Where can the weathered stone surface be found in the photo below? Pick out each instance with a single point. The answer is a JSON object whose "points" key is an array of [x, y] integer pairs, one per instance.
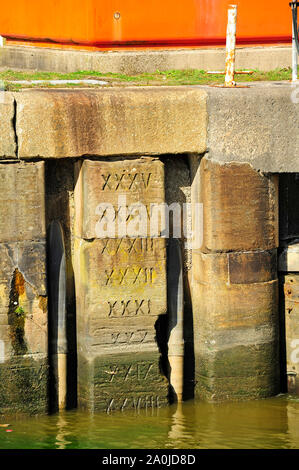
{"points": [[115, 121], [240, 209], [23, 319], [257, 125], [235, 268], [136, 61], [236, 337], [8, 144], [124, 284], [222, 301], [22, 208], [23, 358], [120, 289], [122, 381], [24, 386], [23, 294], [128, 180], [30, 259], [234, 282], [235, 306], [238, 388], [23, 286]]}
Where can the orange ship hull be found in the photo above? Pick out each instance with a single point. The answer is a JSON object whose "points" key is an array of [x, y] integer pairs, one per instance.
{"points": [[108, 23]]}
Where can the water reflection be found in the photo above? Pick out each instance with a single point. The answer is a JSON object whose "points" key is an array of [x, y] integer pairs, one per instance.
{"points": [[271, 423], [257, 424], [179, 434], [62, 432], [293, 420]]}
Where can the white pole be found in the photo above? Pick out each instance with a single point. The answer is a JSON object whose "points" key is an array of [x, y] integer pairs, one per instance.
{"points": [[294, 58], [2, 41], [231, 46]]}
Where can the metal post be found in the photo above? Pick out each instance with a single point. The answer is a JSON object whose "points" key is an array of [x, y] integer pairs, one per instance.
{"points": [[231, 46]]}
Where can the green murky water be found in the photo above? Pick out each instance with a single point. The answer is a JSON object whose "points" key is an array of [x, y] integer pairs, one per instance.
{"points": [[263, 424]]}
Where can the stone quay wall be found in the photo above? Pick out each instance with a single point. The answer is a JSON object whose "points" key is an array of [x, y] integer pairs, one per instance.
{"points": [[64, 152]]}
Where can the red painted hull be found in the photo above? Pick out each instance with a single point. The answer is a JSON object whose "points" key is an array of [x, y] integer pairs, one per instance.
{"points": [[117, 23]]}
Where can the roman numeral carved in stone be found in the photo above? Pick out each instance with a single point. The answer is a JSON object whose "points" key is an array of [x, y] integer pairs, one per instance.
{"points": [[122, 308], [119, 404], [118, 213], [134, 372], [129, 276], [112, 246]]}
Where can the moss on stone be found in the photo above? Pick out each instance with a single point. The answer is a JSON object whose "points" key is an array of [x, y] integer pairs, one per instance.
{"points": [[23, 386], [117, 382]]}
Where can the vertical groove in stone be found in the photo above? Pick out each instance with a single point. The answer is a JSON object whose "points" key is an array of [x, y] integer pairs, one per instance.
{"points": [[289, 281], [59, 209]]}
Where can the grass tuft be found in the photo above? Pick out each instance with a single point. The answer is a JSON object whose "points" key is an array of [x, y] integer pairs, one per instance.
{"points": [[158, 78]]}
